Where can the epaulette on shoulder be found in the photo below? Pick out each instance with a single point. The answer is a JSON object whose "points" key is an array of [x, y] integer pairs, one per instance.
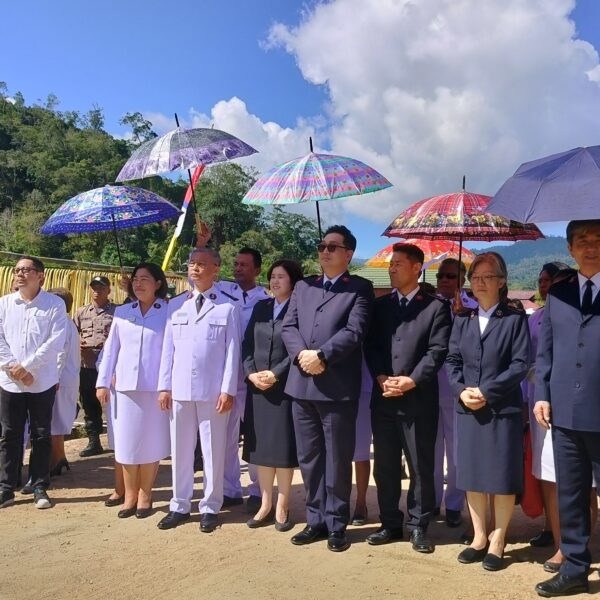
{"points": [[229, 296]]}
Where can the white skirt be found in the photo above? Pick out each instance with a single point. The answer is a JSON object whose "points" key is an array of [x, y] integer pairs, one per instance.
{"points": [[64, 410], [141, 428]]}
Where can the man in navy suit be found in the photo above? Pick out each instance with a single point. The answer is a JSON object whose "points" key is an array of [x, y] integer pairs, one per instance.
{"points": [[405, 348], [323, 331], [568, 391]]}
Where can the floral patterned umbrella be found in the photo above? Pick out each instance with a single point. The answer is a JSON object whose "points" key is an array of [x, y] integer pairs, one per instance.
{"points": [[109, 207], [182, 149], [434, 250]]}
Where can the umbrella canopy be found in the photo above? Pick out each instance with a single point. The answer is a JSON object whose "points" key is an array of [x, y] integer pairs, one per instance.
{"points": [[458, 216], [109, 207], [183, 149], [434, 250], [313, 178], [559, 187]]}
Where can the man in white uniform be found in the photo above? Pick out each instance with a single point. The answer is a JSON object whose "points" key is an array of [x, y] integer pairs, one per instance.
{"points": [[32, 334], [243, 293], [197, 382]]}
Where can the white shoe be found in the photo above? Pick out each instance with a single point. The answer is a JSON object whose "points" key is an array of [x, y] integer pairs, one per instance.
{"points": [[40, 498]]}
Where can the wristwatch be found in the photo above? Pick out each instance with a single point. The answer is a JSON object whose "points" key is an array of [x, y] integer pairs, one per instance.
{"points": [[321, 356]]}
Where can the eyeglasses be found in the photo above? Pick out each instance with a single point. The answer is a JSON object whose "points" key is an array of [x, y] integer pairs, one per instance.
{"points": [[329, 247], [446, 275], [24, 270], [483, 278]]}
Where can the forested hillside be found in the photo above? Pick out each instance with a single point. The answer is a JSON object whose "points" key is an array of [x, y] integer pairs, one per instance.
{"points": [[48, 156]]}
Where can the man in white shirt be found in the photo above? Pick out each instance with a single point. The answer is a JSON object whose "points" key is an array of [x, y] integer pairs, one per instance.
{"points": [[32, 334]]}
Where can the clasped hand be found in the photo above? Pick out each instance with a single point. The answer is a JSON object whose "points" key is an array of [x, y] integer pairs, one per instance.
{"points": [[473, 398], [310, 363], [263, 380], [20, 373], [394, 386]]}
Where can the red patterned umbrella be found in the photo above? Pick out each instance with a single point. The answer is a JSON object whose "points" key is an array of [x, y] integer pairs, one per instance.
{"points": [[434, 250], [458, 216]]}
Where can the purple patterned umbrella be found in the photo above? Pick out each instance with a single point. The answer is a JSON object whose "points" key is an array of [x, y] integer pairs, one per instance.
{"points": [[182, 149], [313, 178], [109, 207]]}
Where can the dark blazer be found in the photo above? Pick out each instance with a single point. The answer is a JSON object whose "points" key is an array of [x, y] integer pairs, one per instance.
{"points": [[334, 322], [414, 344], [568, 359], [263, 348], [495, 362]]}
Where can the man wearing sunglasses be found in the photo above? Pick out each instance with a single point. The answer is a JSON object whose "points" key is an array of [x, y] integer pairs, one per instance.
{"points": [[32, 334], [323, 331], [454, 499]]}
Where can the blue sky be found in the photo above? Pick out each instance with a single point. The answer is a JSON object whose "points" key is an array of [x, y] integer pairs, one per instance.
{"points": [[161, 58]]}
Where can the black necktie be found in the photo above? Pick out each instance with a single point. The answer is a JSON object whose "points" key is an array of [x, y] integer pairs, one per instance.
{"points": [[327, 285], [403, 303], [586, 303], [245, 296], [199, 302]]}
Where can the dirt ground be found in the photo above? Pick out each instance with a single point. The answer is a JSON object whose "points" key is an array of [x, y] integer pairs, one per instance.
{"points": [[81, 549]]}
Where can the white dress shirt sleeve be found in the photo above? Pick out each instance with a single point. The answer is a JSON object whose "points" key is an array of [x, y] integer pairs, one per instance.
{"points": [[6, 355]]}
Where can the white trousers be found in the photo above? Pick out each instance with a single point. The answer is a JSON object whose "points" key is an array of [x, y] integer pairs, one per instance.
{"points": [[188, 418], [232, 486]]}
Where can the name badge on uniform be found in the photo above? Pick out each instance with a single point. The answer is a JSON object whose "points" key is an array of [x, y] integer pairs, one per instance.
{"points": [[179, 318], [131, 319]]}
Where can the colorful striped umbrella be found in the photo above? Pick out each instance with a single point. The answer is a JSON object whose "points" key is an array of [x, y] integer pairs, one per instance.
{"points": [[434, 250], [313, 178]]}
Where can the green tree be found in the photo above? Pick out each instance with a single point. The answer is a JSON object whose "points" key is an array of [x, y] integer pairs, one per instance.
{"points": [[140, 128]]}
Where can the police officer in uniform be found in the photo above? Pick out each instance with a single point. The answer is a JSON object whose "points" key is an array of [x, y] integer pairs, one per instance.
{"points": [[93, 322], [197, 382]]}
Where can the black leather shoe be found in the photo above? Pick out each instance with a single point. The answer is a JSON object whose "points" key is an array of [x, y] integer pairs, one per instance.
{"points": [[208, 522], [383, 536], [419, 541], [229, 501], [253, 504], [309, 535], [127, 512], [492, 562], [114, 501], [28, 487], [562, 585], [358, 519], [453, 518], [268, 519], [93, 448], [172, 520], [466, 538], [472, 555], [542, 540], [337, 542], [286, 525], [143, 513]]}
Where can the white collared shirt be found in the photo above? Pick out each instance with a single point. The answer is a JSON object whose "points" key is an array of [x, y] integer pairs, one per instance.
{"points": [[277, 307], [408, 296], [326, 279], [236, 295], [595, 285], [484, 317], [32, 333]]}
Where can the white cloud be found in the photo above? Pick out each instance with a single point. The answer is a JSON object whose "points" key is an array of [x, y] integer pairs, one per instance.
{"points": [[426, 91]]}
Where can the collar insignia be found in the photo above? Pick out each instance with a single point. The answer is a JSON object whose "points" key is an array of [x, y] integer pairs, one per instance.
{"points": [[213, 296], [156, 305], [499, 313], [190, 295], [134, 305]]}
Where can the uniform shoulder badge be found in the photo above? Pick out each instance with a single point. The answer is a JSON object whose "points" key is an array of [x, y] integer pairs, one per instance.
{"points": [[212, 296], [134, 305], [499, 313], [190, 295], [230, 296], [156, 305]]}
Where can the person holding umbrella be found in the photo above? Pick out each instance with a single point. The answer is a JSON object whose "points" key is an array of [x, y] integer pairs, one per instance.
{"points": [[487, 360], [567, 387]]}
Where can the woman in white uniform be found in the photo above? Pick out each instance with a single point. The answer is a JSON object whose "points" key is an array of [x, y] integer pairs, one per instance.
{"points": [[65, 402], [132, 356]]}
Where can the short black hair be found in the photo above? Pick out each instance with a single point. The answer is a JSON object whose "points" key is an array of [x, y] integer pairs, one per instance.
{"points": [[158, 275], [291, 267], [256, 255], [414, 253], [349, 239], [453, 262], [37, 263], [573, 226]]}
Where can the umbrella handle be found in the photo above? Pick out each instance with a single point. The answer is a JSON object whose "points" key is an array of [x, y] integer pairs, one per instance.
{"points": [[112, 216]]}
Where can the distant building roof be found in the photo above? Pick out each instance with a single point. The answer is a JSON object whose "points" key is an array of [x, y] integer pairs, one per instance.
{"points": [[378, 276], [521, 294]]}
